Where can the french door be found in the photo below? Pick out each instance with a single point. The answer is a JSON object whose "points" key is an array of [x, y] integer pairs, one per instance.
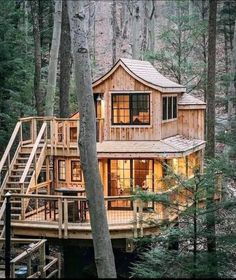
{"points": [[126, 175]]}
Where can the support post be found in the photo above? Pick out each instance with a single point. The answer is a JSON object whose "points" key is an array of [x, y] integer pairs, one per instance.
{"points": [[8, 236]]}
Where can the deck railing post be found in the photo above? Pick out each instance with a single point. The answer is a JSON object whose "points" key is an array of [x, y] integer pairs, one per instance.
{"points": [[8, 236], [13, 270], [65, 218], [60, 217], [42, 260], [141, 218], [29, 265], [59, 265], [135, 220], [22, 203]]}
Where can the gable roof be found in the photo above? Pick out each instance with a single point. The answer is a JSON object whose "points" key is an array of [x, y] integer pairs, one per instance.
{"points": [[144, 72]]}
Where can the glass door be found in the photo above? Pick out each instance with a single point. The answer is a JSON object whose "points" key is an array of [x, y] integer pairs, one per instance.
{"points": [[120, 182]]}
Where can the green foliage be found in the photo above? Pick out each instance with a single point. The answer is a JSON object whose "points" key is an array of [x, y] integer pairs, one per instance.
{"points": [[158, 259], [179, 37], [16, 70]]}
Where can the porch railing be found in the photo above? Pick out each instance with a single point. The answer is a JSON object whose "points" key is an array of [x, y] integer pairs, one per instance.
{"points": [[44, 266], [122, 212]]}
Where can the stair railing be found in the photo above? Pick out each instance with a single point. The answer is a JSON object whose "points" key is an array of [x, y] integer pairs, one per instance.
{"points": [[2, 212], [6, 160], [42, 133]]}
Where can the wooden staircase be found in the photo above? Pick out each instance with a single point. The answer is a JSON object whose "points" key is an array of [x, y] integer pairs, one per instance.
{"points": [[13, 184], [21, 168]]}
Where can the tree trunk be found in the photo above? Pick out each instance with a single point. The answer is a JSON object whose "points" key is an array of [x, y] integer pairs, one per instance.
{"points": [[114, 31], [39, 97], [104, 257], [136, 27], [210, 149], [232, 88], [65, 63], [151, 25], [52, 68], [210, 145]]}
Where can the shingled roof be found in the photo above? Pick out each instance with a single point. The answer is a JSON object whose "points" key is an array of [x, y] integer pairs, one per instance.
{"points": [[177, 146], [187, 99], [146, 73]]}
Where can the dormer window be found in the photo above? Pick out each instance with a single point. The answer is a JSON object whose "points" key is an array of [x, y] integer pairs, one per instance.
{"points": [[169, 107], [131, 109]]}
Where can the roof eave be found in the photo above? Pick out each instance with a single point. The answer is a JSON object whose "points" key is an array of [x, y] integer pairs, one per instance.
{"points": [[121, 63]]}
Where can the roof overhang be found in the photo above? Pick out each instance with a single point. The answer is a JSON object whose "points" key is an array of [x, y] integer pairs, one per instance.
{"points": [[172, 147], [179, 89]]}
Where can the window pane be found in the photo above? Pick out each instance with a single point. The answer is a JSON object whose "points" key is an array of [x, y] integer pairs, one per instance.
{"points": [[170, 107], [140, 109], [164, 108], [75, 171], [174, 107], [120, 109], [62, 170]]}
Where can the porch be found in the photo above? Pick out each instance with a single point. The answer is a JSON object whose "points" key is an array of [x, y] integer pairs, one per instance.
{"points": [[59, 216]]}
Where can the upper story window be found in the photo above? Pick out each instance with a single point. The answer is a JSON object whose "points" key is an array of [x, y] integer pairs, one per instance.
{"points": [[169, 107], [131, 109], [61, 170], [76, 174]]}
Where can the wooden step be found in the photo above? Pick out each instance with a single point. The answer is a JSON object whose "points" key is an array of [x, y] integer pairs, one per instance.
{"points": [[15, 216], [22, 158], [15, 208], [12, 189]]}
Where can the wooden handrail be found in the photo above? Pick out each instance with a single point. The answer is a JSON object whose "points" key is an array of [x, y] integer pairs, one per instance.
{"points": [[36, 172], [9, 146], [2, 210], [33, 152], [29, 251]]}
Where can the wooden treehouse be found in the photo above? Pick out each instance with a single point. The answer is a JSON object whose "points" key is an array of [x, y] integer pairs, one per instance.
{"points": [[143, 120]]}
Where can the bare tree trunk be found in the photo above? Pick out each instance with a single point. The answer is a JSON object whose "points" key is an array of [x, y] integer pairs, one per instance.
{"points": [[104, 257], [136, 27], [210, 149], [114, 30], [151, 25], [232, 88], [52, 68], [210, 145], [65, 63], [39, 96]]}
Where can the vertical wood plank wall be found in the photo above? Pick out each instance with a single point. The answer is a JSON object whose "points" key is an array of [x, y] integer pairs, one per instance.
{"points": [[190, 122]]}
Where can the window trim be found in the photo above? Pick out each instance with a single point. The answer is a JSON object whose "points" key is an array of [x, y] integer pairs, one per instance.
{"points": [[58, 173], [172, 119], [71, 173], [114, 93]]}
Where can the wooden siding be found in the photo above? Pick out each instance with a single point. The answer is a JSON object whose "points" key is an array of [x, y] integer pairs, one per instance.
{"points": [[191, 123], [121, 81], [169, 128]]}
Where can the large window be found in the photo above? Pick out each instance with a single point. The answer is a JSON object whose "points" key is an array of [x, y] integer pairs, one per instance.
{"points": [[76, 171], [169, 107], [127, 175], [61, 170], [131, 109]]}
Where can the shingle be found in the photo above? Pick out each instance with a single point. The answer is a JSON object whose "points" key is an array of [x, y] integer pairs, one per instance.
{"points": [[146, 71], [187, 99]]}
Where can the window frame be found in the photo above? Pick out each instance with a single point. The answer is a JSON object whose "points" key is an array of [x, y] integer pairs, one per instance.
{"points": [[130, 93], [80, 171], [58, 173], [172, 107]]}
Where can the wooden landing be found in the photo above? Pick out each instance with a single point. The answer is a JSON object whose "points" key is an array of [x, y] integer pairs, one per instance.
{"points": [[121, 225]]}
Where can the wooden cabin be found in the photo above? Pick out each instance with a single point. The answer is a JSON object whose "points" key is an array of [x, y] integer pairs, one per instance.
{"points": [[144, 121]]}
